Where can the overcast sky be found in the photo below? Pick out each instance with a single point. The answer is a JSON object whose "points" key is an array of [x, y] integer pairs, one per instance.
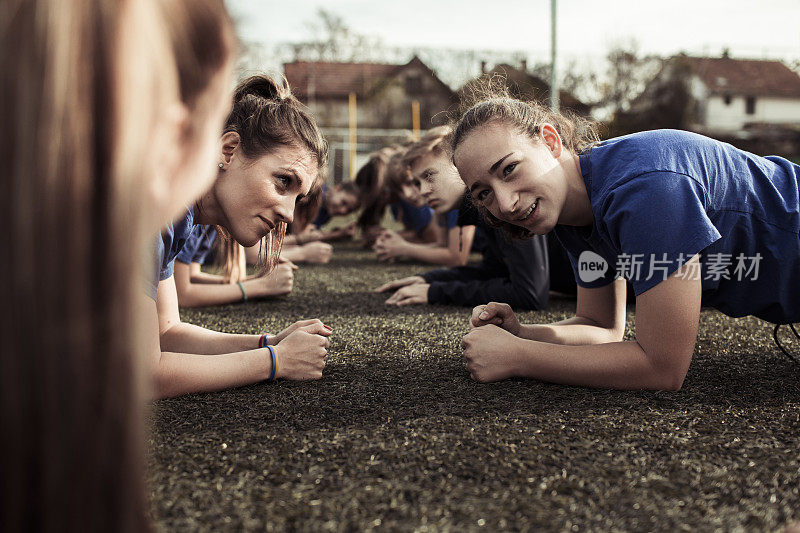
{"points": [[750, 28]]}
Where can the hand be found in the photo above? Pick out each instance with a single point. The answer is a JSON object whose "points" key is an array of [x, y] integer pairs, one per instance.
{"points": [[346, 231], [301, 355], [489, 352], [279, 282], [390, 246], [317, 252], [396, 284], [310, 234], [370, 235], [416, 293], [297, 325], [498, 314]]}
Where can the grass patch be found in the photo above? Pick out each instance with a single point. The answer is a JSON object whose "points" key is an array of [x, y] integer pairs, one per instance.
{"points": [[397, 437]]}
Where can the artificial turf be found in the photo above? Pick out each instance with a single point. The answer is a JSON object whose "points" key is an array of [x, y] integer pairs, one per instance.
{"points": [[397, 437]]}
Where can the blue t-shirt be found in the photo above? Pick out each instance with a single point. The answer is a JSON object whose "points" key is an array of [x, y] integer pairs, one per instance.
{"points": [[660, 197], [323, 217], [413, 217], [198, 246], [449, 220], [169, 244]]}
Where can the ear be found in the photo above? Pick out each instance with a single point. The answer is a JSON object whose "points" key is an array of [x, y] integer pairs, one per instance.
{"points": [[230, 142], [169, 149], [552, 139]]}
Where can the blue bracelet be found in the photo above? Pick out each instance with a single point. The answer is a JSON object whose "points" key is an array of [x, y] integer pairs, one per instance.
{"points": [[262, 342], [244, 293], [274, 363]]}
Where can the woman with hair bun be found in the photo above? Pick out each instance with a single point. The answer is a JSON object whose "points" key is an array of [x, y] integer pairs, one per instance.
{"points": [[268, 162]]}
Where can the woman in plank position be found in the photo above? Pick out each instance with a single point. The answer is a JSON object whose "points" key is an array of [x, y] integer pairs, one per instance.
{"points": [[687, 219], [248, 183]]}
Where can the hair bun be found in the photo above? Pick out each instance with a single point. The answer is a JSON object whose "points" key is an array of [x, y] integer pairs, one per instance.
{"points": [[262, 86]]}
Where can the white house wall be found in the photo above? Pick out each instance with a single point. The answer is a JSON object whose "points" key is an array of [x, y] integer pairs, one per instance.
{"points": [[732, 117]]}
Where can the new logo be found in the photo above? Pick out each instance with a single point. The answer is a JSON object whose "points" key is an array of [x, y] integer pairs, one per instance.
{"points": [[591, 266]]}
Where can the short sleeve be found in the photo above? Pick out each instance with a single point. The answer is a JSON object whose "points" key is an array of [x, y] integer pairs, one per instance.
{"points": [[591, 258], [656, 222], [197, 246], [450, 219], [416, 218]]}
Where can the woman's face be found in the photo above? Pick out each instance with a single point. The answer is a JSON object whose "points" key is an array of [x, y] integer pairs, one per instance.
{"points": [[255, 195], [409, 189], [517, 179], [340, 203], [439, 183]]}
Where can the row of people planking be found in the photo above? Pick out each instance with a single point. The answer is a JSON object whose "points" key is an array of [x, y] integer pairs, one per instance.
{"points": [[418, 184], [120, 126], [533, 191]]}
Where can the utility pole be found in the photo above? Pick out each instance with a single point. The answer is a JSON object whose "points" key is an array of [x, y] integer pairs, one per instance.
{"points": [[554, 90]]}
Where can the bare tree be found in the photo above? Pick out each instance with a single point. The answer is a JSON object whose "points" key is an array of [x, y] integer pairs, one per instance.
{"points": [[333, 40], [627, 73]]}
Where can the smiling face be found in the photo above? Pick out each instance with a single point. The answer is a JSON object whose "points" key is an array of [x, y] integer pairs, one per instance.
{"points": [[255, 195], [517, 179], [439, 183]]}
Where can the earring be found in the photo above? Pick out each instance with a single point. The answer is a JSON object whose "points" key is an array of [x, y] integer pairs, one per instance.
{"points": [[221, 165]]}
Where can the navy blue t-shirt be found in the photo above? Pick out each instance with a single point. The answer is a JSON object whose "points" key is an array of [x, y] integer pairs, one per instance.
{"points": [[660, 197], [449, 220], [198, 246], [413, 217], [169, 244]]}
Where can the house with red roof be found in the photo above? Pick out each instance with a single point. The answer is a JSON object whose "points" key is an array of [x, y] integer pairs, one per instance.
{"points": [[733, 95], [384, 92]]}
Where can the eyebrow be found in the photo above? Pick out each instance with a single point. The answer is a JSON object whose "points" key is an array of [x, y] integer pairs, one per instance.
{"points": [[494, 167], [492, 170], [429, 170]]}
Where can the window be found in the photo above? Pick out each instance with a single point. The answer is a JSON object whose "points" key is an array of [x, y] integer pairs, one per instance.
{"points": [[750, 105], [728, 99], [414, 84]]}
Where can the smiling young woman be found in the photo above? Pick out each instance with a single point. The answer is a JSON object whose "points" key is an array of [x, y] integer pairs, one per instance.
{"points": [[664, 209]]}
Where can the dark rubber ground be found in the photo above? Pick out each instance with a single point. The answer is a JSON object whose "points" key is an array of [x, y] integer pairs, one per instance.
{"points": [[397, 437]]}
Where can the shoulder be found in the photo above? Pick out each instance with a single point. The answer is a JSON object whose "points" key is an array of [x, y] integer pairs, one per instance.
{"points": [[614, 161]]}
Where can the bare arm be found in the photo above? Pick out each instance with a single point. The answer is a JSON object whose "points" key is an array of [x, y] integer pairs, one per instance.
{"points": [[175, 373], [666, 332], [179, 336], [454, 252], [430, 234], [180, 363], [599, 317], [190, 294], [196, 274]]}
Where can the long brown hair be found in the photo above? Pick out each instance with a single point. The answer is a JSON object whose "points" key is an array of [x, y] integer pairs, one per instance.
{"points": [[373, 193], [72, 202], [203, 41], [266, 116]]}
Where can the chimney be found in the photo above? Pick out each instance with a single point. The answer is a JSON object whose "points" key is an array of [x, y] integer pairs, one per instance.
{"points": [[524, 65], [483, 67]]}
